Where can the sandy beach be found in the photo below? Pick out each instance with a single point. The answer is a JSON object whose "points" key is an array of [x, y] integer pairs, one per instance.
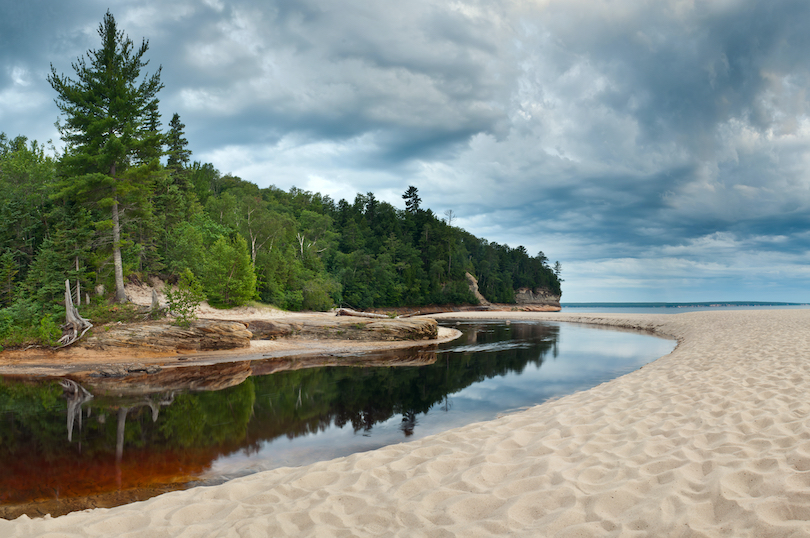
{"points": [[710, 440]]}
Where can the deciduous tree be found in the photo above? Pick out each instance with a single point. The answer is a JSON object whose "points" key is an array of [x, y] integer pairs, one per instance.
{"points": [[228, 276]]}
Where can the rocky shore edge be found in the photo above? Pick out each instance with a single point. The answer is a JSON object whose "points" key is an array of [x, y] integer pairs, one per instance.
{"points": [[218, 335]]}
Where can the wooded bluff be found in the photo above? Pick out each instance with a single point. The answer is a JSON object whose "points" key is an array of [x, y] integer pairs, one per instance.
{"points": [[125, 201], [296, 250]]}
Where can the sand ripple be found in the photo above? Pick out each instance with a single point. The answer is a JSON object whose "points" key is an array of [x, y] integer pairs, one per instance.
{"points": [[711, 440]]}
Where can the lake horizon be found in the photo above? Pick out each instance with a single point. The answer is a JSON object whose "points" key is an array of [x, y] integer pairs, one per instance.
{"points": [[675, 308]]}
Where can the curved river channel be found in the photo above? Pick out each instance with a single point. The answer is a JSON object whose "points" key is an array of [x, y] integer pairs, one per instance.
{"points": [[62, 450]]}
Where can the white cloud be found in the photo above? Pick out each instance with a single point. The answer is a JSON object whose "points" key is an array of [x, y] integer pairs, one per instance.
{"points": [[652, 147]]}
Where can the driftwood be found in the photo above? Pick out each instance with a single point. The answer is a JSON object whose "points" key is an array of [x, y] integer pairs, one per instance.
{"points": [[75, 325], [354, 313]]}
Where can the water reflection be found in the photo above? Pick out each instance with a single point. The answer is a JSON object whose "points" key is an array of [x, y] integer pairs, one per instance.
{"points": [[149, 442]]}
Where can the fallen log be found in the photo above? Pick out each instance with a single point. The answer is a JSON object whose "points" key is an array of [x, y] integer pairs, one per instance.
{"points": [[354, 313]]}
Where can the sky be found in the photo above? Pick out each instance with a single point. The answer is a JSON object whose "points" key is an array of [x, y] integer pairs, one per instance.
{"points": [[658, 150]]}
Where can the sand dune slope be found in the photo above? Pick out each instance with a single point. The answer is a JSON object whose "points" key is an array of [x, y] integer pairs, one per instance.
{"points": [[711, 440]]}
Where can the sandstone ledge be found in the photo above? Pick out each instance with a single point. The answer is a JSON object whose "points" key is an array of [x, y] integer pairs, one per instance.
{"points": [[215, 335], [346, 329], [202, 335], [138, 349]]}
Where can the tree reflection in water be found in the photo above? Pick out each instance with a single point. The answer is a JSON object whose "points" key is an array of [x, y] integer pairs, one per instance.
{"points": [[164, 440]]}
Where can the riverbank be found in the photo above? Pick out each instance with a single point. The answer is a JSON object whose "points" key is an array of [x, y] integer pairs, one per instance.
{"points": [[265, 333], [711, 440]]}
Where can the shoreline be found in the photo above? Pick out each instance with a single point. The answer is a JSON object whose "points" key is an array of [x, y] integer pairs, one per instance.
{"points": [[710, 440], [76, 360]]}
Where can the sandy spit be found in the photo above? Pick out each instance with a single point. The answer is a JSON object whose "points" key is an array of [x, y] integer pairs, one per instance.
{"points": [[711, 440]]}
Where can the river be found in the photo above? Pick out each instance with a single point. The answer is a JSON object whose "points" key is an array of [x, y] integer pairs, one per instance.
{"points": [[63, 451]]}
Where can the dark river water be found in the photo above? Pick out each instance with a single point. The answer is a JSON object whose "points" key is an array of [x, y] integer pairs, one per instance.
{"points": [[62, 450]]}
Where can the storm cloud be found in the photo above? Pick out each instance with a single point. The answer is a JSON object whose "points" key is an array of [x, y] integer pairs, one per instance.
{"points": [[658, 150]]}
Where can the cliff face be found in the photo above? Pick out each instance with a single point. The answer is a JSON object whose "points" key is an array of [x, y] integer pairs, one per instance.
{"points": [[536, 296], [527, 299], [474, 289]]}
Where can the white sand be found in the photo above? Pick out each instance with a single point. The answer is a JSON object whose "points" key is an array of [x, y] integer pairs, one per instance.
{"points": [[711, 440]]}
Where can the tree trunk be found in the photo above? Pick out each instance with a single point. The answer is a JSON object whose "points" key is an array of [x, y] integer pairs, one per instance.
{"points": [[75, 325], [252, 247], [76, 395], [120, 294], [78, 285], [120, 434]]}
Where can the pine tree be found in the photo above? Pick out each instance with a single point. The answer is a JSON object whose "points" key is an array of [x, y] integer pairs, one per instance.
{"points": [[412, 199], [179, 154], [110, 128]]}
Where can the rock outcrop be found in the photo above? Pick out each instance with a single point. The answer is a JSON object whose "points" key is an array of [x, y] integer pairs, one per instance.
{"points": [[403, 329], [202, 335], [473, 282], [270, 330], [347, 329], [527, 299], [536, 296], [215, 335]]}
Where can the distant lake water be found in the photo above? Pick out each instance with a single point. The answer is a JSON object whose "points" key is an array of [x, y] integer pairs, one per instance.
{"points": [[60, 453], [669, 308]]}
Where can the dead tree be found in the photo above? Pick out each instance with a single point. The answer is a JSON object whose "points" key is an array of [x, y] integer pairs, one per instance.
{"points": [[75, 325], [156, 311]]}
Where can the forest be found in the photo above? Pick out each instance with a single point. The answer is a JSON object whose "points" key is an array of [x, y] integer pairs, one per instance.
{"points": [[124, 201]]}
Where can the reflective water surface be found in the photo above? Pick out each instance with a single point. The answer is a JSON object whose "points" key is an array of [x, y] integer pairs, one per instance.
{"points": [[67, 446]]}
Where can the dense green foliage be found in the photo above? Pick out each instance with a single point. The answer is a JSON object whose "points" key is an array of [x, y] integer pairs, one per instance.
{"points": [[111, 130], [294, 249], [183, 301]]}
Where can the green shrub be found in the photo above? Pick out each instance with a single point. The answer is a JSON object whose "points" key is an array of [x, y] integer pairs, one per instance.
{"points": [[317, 293], [49, 331], [183, 303], [293, 299], [24, 323]]}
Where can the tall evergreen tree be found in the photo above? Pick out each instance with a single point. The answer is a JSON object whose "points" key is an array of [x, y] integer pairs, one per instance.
{"points": [[110, 127], [179, 154], [412, 199]]}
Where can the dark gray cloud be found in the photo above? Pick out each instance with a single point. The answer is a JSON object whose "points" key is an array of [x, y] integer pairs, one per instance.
{"points": [[659, 150]]}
